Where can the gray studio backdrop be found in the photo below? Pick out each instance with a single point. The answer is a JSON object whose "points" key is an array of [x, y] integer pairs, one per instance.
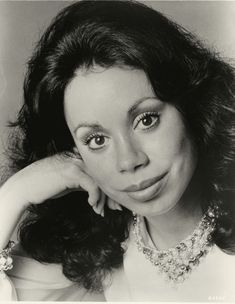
{"points": [[22, 22]]}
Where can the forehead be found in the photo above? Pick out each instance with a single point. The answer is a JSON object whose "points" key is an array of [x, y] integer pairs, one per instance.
{"points": [[111, 90]]}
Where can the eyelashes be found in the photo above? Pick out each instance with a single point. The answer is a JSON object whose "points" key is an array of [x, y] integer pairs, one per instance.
{"points": [[95, 141], [146, 120], [143, 122]]}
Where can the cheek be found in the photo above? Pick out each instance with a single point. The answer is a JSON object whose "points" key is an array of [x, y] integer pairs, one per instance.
{"points": [[184, 161], [167, 145]]}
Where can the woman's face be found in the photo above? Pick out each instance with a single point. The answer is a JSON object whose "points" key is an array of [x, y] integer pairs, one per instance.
{"points": [[134, 146]]}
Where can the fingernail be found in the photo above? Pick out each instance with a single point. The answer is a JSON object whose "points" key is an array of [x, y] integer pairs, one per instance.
{"points": [[119, 207], [91, 202], [95, 208], [96, 211]]}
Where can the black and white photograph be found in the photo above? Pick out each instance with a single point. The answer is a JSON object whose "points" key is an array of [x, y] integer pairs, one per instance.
{"points": [[117, 150]]}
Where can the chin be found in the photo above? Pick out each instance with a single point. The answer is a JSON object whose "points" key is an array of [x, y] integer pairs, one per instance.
{"points": [[155, 207]]}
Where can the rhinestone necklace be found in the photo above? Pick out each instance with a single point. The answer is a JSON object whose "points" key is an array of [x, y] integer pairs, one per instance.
{"points": [[177, 262]]}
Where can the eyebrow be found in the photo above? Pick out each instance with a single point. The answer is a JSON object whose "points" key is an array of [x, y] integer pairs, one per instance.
{"points": [[130, 112], [94, 126], [137, 103]]}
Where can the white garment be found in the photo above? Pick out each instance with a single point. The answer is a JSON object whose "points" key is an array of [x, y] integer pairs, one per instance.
{"points": [[30, 280], [7, 290], [138, 280]]}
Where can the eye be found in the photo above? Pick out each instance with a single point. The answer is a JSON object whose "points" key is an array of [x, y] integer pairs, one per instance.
{"points": [[96, 141], [146, 120]]}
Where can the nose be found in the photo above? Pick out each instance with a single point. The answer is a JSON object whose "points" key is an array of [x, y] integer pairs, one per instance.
{"points": [[130, 156]]}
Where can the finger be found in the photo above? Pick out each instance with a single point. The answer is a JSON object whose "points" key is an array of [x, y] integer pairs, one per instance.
{"points": [[76, 153], [113, 205], [85, 182], [95, 209], [110, 204], [70, 155], [62, 193], [99, 207], [81, 180], [94, 195]]}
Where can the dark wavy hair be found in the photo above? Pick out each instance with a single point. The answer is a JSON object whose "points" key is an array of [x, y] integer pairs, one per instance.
{"points": [[181, 71]]}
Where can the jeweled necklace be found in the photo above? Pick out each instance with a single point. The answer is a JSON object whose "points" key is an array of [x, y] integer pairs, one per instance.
{"points": [[177, 263]]}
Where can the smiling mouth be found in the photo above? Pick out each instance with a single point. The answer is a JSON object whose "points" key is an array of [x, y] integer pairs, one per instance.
{"points": [[145, 184], [147, 189]]}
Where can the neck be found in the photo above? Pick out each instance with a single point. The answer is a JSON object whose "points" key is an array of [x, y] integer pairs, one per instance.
{"points": [[168, 229]]}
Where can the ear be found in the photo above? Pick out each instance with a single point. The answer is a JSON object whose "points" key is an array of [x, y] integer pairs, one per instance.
{"points": [[76, 152]]}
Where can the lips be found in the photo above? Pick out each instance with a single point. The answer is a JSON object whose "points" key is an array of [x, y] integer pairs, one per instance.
{"points": [[144, 184], [147, 189]]}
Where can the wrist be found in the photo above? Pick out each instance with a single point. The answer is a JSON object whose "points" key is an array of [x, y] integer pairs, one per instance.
{"points": [[12, 206]]}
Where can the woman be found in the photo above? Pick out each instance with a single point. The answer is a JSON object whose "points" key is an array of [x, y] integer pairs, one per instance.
{"points": [[126, 105]]}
